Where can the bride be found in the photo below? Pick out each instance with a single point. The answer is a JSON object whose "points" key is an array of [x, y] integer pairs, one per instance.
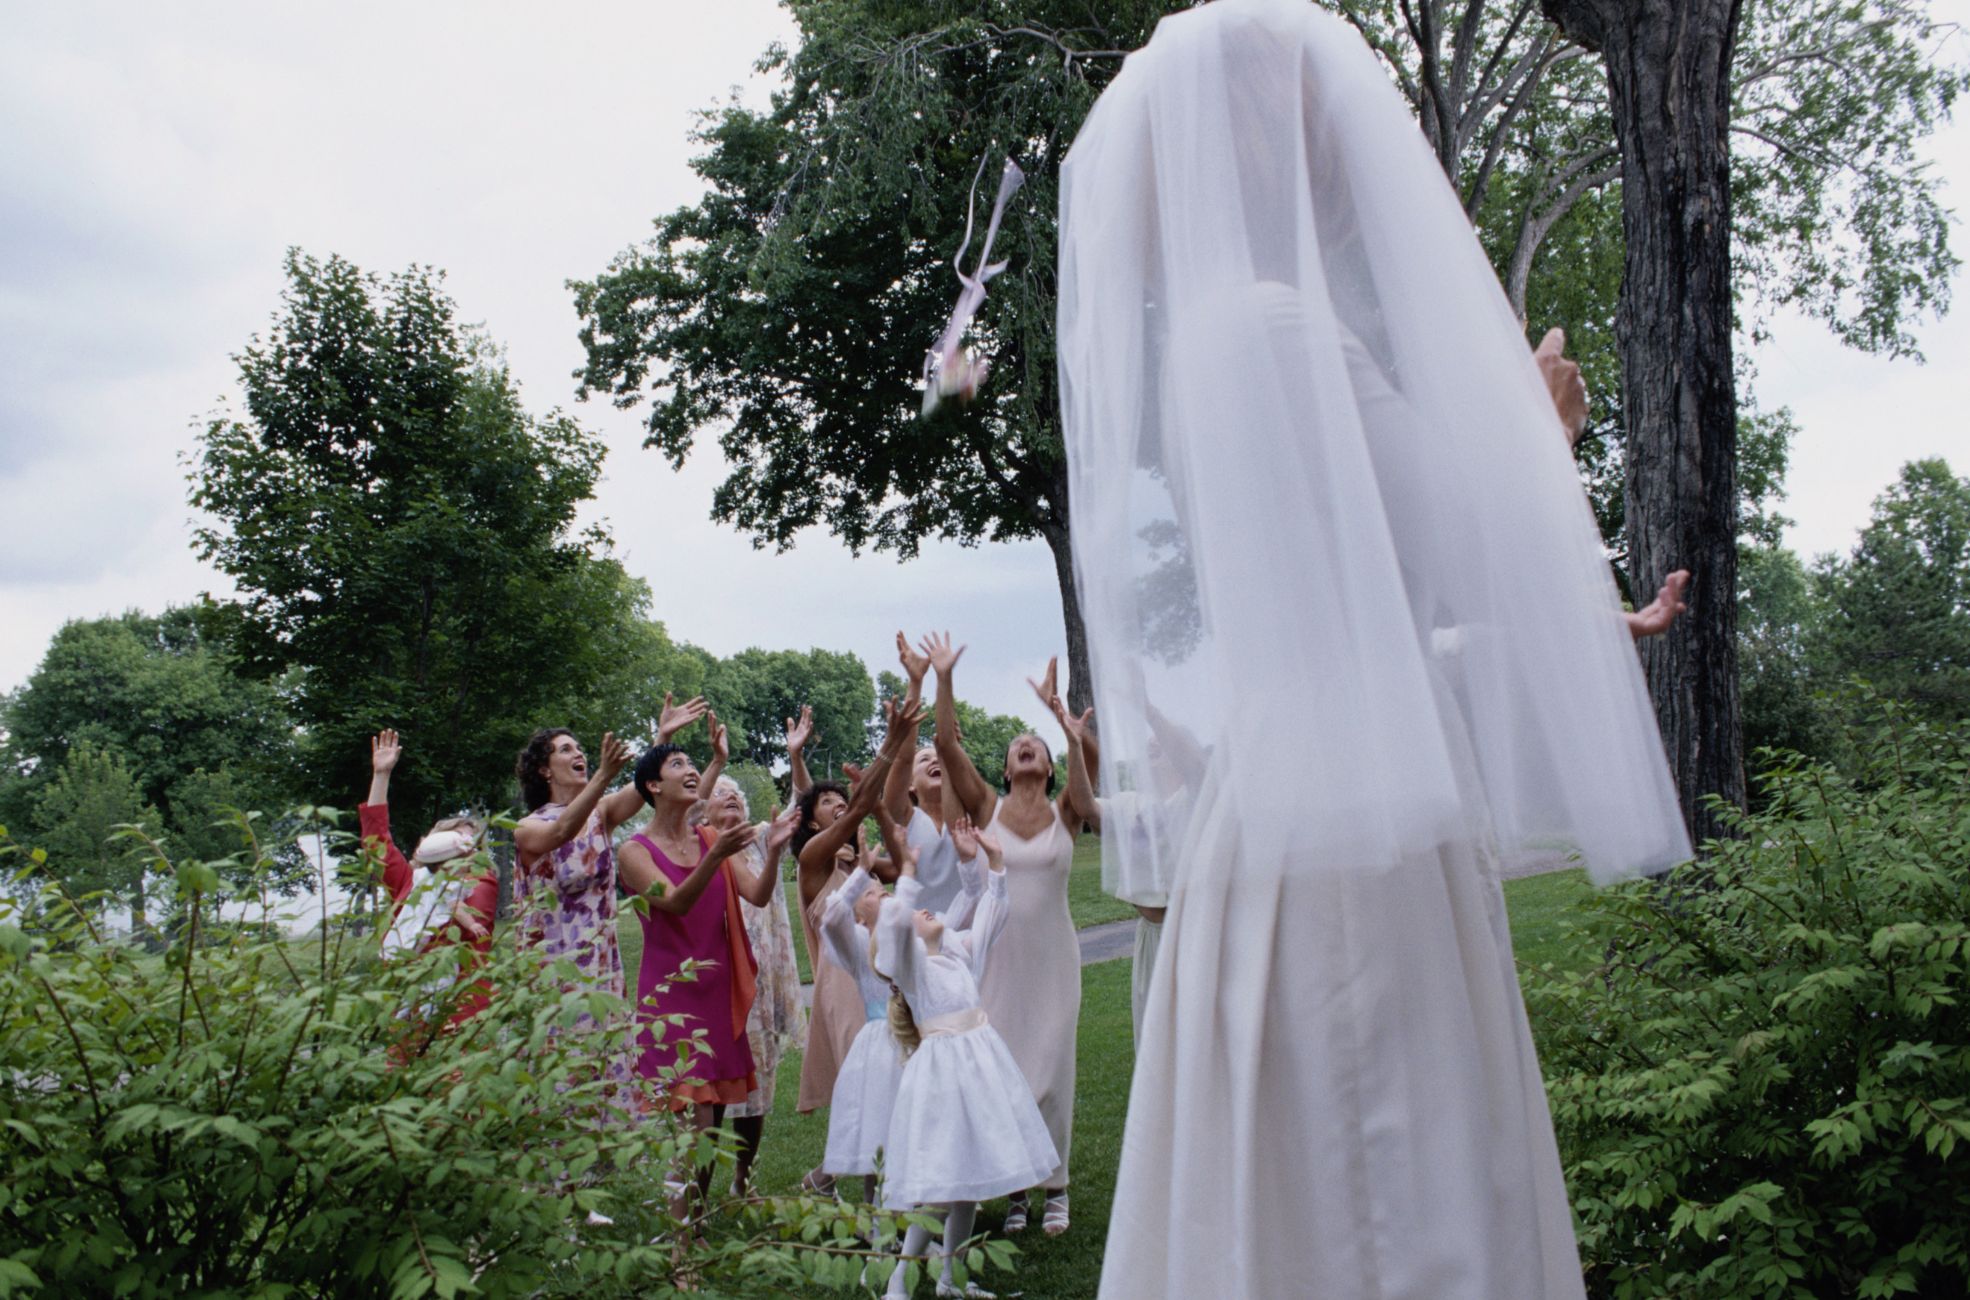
{"points": [[1326, 527]]}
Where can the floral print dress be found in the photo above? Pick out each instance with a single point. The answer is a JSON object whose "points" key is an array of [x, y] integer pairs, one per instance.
{"points": [[778, 1022], [570, 896]]}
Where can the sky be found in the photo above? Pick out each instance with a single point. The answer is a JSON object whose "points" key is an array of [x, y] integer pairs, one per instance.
{"points": [[159, 159]]}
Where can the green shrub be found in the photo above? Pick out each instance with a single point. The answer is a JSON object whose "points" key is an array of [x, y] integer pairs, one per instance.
{"points": [[241, 1116], [1765, 1088]]}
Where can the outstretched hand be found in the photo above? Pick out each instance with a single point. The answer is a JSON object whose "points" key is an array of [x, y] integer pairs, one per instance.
{"points": [[384, 751], [801, 731], [733, 840], [614, 756], [914, 665], [676, 717], [1563, 382], [1655, 618], [937, 649], [721, 741], [965, 835], [1048, 687], [779, 831], [1076, 728]]}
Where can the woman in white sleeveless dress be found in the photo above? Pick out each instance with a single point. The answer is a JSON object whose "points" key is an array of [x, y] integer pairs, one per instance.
{"points": [[1324, 522], [1032, 980]]}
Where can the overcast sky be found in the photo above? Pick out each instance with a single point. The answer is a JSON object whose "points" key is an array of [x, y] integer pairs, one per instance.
{"points": [[158, 160]]}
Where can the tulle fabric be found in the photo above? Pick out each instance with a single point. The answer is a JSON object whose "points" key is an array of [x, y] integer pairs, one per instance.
{"points": [[1315, 478]]}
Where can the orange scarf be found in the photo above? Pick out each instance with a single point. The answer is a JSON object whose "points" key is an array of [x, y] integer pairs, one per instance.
{"points": [[745, 967]]}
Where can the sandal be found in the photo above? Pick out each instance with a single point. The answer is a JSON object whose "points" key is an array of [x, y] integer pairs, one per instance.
{"points": [[1016, 1215], [1054, 1220]]}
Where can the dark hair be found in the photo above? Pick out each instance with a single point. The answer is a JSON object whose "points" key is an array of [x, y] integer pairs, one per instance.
{"points": [[1053, 773], [534, 787], [808, 803], [650, 768]]}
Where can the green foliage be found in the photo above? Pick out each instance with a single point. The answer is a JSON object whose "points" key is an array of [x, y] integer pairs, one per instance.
{"points": [[757, 691], [403, 532], [245, 1116], [1764, 1087], [1898, 608], [194, 735], [1779, 628], [81, 809]]}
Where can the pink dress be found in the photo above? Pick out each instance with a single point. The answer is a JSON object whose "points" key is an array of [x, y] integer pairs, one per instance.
{"points": [[715, 1005]]}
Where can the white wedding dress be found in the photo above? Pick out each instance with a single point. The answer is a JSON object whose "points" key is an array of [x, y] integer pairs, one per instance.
{"points": [[1329, 541]]}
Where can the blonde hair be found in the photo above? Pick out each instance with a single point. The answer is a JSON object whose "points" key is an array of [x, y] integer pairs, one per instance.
{"points": [[902, 1021]]}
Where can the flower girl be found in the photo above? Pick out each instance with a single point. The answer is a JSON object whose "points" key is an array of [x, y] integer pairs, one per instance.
{"points": [[964, 1127]]}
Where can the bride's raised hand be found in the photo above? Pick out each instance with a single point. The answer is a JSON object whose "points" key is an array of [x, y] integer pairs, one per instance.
{"points": [[1655, 618]]}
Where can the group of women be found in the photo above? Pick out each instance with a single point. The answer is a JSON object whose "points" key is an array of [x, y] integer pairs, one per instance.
{"points": [[942, 1032]]}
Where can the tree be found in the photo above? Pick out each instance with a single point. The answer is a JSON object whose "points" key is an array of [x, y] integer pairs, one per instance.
{"points": [[1898, 608], [1673, 86], [1779, 622], [794, 304], [77, 813], [403, 536], [756, 691], [154, 693]]}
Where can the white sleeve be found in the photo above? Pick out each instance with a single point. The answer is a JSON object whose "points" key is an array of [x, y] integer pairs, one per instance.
{"points": [[899, 953], [840, 936], [971, 884], [973, 946]]}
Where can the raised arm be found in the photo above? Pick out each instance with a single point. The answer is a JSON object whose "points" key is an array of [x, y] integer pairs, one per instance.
{"points": [[971, 874], [899, 953], [901, 855], [975, 798], [628, 801], [1077, 802], [798, 734], [841, 938], [639, 870], [373, 818], [974, 945], [819, 853], [536, 837], [755, 878], [896, 789]]}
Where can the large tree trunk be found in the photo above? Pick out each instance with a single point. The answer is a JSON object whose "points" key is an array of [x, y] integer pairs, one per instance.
{"points": [[1668, 71], [1080, 681]]}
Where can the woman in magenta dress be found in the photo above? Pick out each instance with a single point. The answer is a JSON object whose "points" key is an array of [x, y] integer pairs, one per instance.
{"points": [[695, 916]]}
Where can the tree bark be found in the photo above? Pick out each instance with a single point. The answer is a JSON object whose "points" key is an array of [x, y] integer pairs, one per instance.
{"points": [[1668, 70], [1080, 681]]}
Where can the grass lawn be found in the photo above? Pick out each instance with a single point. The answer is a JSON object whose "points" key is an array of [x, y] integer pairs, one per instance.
{"points": [[1069, 1268]]}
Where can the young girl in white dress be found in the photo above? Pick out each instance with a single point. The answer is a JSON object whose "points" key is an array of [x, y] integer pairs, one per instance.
{"points": [[964, 1127], [865, 1088]]}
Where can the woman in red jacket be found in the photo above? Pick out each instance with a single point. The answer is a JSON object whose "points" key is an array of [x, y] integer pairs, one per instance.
{"points": [[450, 907]]}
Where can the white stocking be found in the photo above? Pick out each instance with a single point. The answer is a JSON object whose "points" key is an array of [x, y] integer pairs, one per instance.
{"points": [[957, 1227], [916, 1241]]}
